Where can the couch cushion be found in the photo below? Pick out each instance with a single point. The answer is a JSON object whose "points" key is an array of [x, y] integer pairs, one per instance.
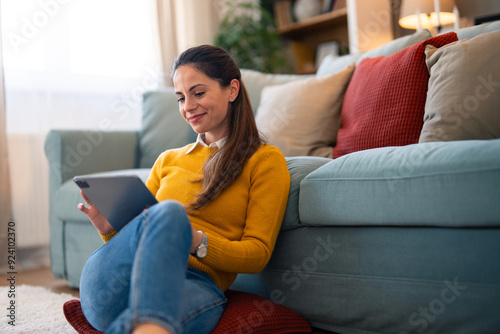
{"points": [[255, 81], [302, 117], [384, 103], [430, 184], [463, 104], [68, 195], [161, 113], [299, 167]]}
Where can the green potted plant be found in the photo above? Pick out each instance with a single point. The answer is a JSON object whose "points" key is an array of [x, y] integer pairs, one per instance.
{"points": [[248, 33]]}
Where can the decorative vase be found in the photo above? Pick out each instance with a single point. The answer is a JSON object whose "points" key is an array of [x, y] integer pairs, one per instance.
{"points": [[304, 9]]}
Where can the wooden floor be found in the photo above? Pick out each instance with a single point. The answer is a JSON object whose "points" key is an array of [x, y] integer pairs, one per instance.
{"points": [[43, 277]]}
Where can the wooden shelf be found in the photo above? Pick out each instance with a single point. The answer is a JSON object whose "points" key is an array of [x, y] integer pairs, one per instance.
{"points": [[305, 36], [348, 28], [319, 22]]}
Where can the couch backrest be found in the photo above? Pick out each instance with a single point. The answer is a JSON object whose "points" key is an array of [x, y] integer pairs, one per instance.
{"points": [[162, 126], [471, 32]]}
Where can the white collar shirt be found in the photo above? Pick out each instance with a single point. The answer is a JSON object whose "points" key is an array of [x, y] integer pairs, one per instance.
{"points": [[200, 140]]}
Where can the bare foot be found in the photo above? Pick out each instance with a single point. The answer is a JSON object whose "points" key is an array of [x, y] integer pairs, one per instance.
{"points": [[150, 328]]}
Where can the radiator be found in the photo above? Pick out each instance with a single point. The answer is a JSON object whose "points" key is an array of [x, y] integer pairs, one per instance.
{"points": [[29, 188]]}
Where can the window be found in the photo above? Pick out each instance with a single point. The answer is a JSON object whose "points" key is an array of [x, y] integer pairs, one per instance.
{"points": [[69, 63]]}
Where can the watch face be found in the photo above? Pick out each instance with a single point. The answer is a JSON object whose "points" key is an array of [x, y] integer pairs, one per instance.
{"points": [[201, 252]]}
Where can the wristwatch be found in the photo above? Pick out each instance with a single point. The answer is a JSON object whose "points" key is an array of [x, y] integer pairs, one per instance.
{"points": [[202, 249]]}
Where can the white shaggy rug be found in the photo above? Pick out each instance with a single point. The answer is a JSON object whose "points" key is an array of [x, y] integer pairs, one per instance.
{"points": [[37, 310]]}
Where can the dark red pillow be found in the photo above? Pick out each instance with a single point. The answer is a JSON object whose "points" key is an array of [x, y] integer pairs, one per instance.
{"points": [[384, 102], [74, 314], [249, 313], [245, 313]]}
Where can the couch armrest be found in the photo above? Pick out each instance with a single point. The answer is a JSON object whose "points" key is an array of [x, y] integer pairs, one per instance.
{"points": [[77, 152]]}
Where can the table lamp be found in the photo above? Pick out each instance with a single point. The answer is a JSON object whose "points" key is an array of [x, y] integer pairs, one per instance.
{"points": [[426, 14]]}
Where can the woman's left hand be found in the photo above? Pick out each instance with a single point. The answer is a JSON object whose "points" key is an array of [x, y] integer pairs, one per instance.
{"points": [[196, 241]]}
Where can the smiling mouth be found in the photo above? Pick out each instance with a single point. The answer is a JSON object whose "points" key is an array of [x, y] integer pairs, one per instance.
{"points": [[195, 118]]}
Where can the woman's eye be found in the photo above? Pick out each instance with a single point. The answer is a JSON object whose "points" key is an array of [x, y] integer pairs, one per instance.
{"points": [[180, 99], [200, 94]]}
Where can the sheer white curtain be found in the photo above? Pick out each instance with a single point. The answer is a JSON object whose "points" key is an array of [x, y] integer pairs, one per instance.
{"points": [[186, 23], [70, 64], [5, 202]]}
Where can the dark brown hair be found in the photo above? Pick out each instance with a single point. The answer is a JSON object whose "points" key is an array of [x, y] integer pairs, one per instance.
{"points": [[224, 166]]}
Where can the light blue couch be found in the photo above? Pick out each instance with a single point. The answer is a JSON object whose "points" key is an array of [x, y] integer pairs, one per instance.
{"points": [[389, 240]]}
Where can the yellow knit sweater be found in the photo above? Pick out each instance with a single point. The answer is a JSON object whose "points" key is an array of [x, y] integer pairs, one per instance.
{"points": [[242, 223]]}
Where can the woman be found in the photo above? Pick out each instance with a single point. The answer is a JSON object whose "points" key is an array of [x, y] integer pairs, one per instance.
{"points": [[222, 200]]}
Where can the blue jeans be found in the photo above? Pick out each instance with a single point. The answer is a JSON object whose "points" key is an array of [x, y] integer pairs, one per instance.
{"points": [[141, 275]]}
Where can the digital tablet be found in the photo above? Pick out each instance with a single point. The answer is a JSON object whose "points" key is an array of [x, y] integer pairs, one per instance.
{"points": [[120, 198]]}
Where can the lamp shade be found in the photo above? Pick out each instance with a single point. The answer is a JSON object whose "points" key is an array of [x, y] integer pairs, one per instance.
{"points": [[412, 10]]}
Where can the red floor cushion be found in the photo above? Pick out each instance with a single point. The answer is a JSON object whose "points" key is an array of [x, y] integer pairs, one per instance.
{"points": [[73, 313], [249, 313], [245, 313]]}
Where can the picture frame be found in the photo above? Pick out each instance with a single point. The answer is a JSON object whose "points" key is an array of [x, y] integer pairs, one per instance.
{"points": [[325, 49]]}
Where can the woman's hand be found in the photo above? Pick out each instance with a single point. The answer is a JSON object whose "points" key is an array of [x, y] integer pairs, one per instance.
{"points": [[196, 241], [97, 219]]}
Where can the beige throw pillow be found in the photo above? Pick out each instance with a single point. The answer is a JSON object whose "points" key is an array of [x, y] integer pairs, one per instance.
{"points": [[463, 98], [302, 117], [255, 81]]}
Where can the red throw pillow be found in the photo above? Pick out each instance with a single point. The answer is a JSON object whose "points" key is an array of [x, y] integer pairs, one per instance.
{"points": [[245, 313], [384, 102]]}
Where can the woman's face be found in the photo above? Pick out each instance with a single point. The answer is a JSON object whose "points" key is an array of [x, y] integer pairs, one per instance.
{"points": [[203, 103]]}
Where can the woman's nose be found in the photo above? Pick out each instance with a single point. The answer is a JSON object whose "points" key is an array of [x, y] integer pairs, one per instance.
{"points": [[189, 104]]}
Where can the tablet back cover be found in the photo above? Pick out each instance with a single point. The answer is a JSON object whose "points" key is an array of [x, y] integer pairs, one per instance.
{"points": [[119, 198]]}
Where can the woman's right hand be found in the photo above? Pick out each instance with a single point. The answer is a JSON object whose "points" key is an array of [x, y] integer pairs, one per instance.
{"points": [[97, 219]]}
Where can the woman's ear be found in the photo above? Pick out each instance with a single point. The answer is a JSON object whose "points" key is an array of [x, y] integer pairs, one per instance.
{"points": [[234, 89]]}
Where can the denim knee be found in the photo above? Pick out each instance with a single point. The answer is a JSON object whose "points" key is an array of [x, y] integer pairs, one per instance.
{"points": [[168, 207], [170, 215]]}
